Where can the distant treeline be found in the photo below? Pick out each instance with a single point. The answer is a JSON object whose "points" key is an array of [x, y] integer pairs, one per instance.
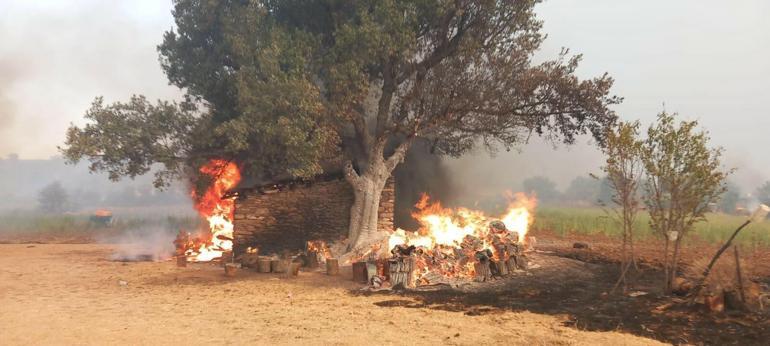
{"points": [[52, 185], [595, 191]]}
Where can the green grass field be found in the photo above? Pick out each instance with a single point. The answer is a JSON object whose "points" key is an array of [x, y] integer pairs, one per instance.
{"points": [[718, 227]]}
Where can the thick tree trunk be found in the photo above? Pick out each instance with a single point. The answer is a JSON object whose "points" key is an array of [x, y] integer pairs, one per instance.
{"points": [[367, 192], [365, 210]]}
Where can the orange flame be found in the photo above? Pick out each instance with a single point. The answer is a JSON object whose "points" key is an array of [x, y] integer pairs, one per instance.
{"points": [[445, 232], [319, 247], [218, 211]]}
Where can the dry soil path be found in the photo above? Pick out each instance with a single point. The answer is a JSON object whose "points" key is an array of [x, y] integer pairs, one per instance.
{"points": [[72, 294]]}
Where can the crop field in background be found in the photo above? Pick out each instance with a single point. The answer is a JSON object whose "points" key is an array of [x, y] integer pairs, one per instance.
{"points": [[33, 222], [559, 220], [717, 228]]}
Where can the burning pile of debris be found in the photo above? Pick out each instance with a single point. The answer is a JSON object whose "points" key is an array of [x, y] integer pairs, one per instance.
{"points": [[452, 246]]}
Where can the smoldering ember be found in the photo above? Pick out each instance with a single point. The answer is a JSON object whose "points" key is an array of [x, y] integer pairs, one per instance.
{"points": [[348, 172]]}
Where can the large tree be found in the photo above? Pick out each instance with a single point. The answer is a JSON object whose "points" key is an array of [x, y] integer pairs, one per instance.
{"points": [[285, 85]]}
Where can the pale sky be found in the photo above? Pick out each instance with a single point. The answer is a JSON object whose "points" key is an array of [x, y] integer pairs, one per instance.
{"points": [[707, 60]]}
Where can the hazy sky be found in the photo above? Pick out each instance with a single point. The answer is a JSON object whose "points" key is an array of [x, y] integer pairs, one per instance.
{"points": [[707, 60]]}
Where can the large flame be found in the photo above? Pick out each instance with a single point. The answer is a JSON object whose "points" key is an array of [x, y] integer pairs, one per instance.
{"points": [[445, 232], [218, 211]]}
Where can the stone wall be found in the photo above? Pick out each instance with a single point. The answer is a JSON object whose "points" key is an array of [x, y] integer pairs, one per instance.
{"points": [[283, 217]]}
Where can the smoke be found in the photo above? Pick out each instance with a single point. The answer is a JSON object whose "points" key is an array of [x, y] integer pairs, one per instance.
{"points": [[421, 172], [8, 75], [56, 57], [481, 180], [152, 243]]}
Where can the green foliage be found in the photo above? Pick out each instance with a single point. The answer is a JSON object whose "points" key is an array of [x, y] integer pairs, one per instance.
{"points": [[684, 178], [763, 193], [282, 86], [624, 171], [126, 139], [623, 165], [684, 175], [543, 187], [248, 101], [53, 198], [252, 72]]}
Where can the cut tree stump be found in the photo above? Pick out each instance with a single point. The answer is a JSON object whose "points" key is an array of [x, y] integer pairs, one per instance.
{"points": [[332, 266], [263, 265], [510, 264], [279, 266], [502, 267], [517, 262], [360, 273], [231, 269], [293, 269], [483, 272], [249, 260]]}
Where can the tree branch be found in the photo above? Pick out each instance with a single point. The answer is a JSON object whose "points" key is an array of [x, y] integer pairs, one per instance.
{"points": [[388, 88], [398, 155], [446, 48], [362, 132], [351, 176]]}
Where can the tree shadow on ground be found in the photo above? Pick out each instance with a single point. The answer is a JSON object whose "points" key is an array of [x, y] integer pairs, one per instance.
{"points": [[583, 304]]}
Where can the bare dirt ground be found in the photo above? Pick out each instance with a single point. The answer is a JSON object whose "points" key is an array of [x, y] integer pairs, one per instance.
{"points": [[73, 294]]}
